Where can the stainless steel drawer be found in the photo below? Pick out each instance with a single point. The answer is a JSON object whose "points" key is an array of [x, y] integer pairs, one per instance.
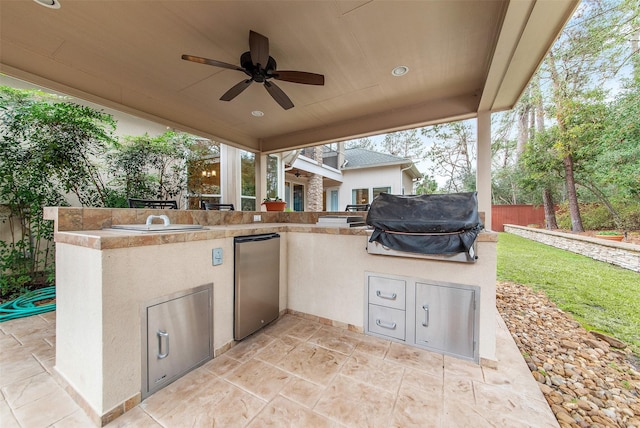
{"points": [[387, 321], [387, 292]]}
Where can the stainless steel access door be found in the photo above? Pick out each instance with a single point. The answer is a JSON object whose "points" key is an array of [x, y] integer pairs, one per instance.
{"points": [[179, 336], [446, 319], [257, 282]]}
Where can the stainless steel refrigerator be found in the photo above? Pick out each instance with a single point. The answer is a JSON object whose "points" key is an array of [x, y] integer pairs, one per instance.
{"points": [[256, 282]]}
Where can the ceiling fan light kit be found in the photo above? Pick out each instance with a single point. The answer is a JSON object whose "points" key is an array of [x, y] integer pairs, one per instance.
{"points": [[261, 68]]}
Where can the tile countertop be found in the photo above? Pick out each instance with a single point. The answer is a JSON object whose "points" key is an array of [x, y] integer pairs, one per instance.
{"points": [[109, 239], [89, 227]]}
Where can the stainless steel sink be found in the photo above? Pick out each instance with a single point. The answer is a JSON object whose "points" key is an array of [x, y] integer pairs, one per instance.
{"points": [[153, 228]]}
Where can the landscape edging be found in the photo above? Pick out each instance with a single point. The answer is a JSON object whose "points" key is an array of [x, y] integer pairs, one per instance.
{"points": [[618, 253]]}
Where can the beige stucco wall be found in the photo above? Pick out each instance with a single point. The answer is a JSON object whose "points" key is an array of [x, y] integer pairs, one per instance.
{"points": [[100, 297], [101, 294], [327, 275], [79, 320]]}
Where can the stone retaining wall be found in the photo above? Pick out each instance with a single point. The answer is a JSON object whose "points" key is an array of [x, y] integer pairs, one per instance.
{"points": [[618, 253]]}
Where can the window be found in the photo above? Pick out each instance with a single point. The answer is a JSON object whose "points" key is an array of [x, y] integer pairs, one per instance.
{"points": [[298, 197], [294, 196], [272, 176], [248, 181], [378, 190], [334, 200], [287, 194], [203, 174], [360, 196]]}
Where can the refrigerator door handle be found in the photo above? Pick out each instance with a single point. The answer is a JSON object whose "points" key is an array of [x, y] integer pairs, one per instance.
{"points": [[255, 238]]}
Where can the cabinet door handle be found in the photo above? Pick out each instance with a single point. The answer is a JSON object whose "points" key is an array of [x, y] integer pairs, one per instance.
{"points": [[391, 296], [389, 325], [163, 334], [425, 323]]}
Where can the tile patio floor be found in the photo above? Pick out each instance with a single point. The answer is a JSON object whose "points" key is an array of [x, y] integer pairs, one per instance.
{"points": [[294, 373]]}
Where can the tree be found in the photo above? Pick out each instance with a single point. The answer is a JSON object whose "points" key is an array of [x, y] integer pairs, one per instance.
{"points": [[48, 149], [589, 51], [619, 143], [427, 185], [504, 185], [406, 144], [592, 48], [453, 153], [539, 127], [248, 180], [360, 143], [150, 167]]}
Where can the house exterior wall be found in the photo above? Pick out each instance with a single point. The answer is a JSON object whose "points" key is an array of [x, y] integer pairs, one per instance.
{"points": [[368, 178], [407, 184]]}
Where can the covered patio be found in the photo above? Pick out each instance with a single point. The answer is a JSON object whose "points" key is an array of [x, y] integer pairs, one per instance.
{"points": [[460, 60], [465, 59]]}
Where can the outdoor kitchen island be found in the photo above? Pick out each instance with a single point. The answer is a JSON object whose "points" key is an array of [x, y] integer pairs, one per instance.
{"points": [[105, 277]]}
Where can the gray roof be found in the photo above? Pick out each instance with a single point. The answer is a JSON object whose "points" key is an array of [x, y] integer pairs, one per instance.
{"points": [[365, 158], [362, 158]]}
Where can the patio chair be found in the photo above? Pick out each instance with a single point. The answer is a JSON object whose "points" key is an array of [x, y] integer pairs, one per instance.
{"points": [[148, 203], [217, 207], [357, 207]]}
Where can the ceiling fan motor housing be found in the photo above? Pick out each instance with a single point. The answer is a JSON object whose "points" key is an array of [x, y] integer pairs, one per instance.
{"points": [[257, 74]]}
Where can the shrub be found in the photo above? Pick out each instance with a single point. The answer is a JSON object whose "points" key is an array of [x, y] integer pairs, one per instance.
{"points": [[596, 216]]}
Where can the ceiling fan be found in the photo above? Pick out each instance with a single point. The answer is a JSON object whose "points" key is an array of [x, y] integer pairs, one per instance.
{"points": [[261, 68]]}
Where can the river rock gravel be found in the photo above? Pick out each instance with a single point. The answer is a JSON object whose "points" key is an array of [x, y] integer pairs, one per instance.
{"points": [[587, 379]]}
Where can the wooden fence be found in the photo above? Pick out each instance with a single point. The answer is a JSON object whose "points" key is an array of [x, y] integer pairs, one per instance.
{"points": [[521, 215]]}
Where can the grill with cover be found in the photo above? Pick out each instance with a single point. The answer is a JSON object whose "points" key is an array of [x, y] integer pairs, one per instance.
{"points": [[443, 224]]}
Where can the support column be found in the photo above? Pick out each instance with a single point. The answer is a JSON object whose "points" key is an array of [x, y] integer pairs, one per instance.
{"points": [[230, 170], [314, 186], [261, 178], [483, 166]]}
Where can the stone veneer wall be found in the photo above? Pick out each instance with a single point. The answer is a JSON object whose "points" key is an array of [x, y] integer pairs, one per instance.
{"points": [[618, 253], [314, 188]]}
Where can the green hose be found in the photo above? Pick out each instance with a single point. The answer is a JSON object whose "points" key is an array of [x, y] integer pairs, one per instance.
{"points": [[23, 306]]}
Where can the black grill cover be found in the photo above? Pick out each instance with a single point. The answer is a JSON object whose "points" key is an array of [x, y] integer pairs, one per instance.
{"points": [[425, 224]]}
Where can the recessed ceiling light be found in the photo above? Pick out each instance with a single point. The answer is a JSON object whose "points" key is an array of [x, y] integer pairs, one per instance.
{"points": [[400, 70], [52, 4], [257, 113]]}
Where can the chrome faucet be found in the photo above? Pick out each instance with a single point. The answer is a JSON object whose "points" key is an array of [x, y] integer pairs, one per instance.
{"points": [[163, 217]]}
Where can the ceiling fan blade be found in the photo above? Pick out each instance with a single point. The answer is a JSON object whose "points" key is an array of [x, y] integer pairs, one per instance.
{"points": [[236, 90], [211, 62], [278, 95], [299, 77], [259, 47]]}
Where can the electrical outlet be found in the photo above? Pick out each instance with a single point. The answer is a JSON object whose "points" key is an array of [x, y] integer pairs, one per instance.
{"points": [[216, 256], [257, 217]]}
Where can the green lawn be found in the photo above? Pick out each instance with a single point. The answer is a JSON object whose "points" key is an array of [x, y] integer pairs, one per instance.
{"points": [[600, 296]]}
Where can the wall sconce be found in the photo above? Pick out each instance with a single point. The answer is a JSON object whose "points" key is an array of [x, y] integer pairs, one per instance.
{"points": [[211, 173]]}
